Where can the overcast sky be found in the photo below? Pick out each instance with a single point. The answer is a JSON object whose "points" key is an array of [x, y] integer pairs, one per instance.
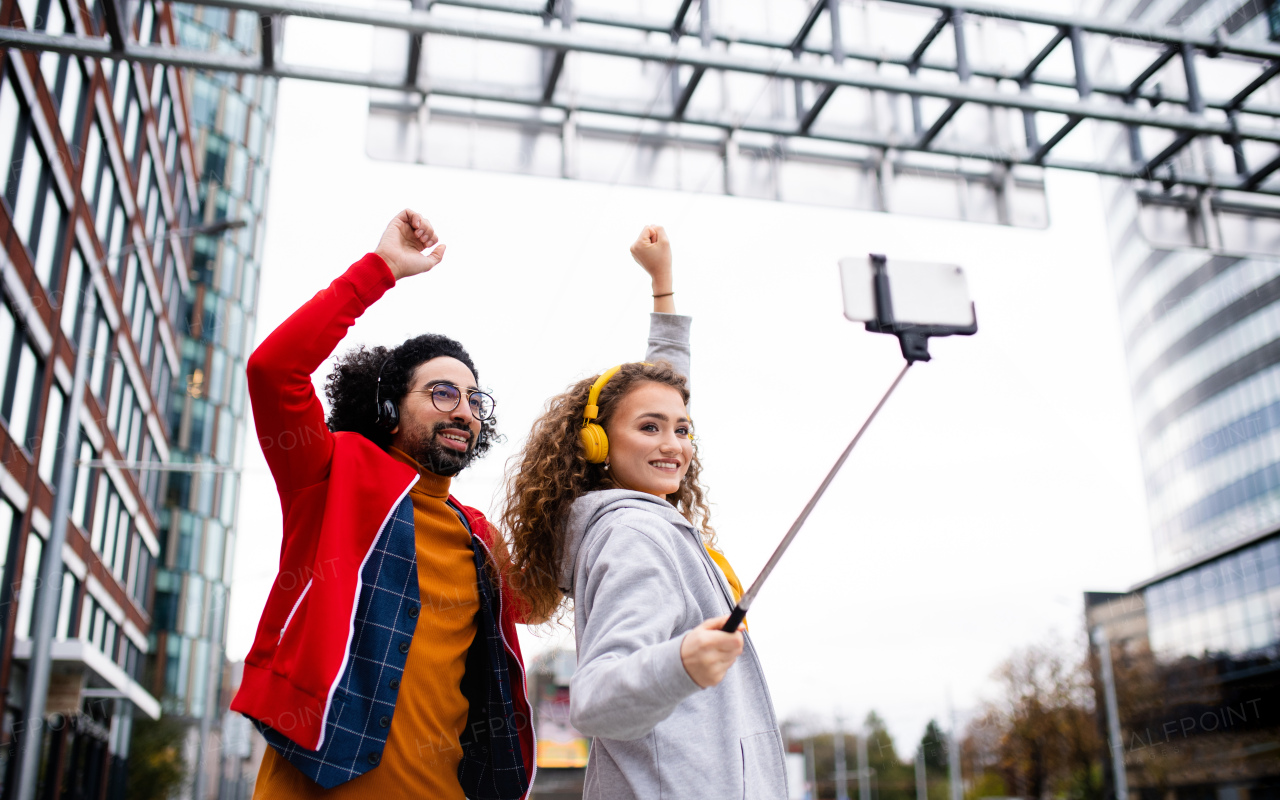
{"points": [[1000, 483]]}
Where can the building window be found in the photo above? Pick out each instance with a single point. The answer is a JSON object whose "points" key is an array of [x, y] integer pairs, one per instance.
{"points": [[8, 519], [147, 23], [27, 177], [83, 483], [29, 12], [101, 355], [66, 606], [111, 527], [51, 223], [21, 384], [77, 281], [51, 438], [90, 178], [71, 97], [132, 129], [121, 83], [30, 580], [139, 571]]}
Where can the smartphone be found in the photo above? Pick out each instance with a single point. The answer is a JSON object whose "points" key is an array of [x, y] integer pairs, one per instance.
{"points": [[921, 293]]}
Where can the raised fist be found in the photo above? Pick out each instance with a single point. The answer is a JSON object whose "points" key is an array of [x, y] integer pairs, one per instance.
{"points": [[652, 250], [404, 241]]}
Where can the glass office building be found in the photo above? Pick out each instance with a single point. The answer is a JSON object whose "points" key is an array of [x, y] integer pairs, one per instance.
{"points": [[231, 122], [1197, 646], [98, 187]]}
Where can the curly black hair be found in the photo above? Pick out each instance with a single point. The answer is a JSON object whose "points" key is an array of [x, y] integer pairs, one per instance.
{"points": [[352, 386]]}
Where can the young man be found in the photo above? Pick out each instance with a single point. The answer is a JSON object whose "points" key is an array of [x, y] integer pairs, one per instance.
{"points": [[386, 662]]}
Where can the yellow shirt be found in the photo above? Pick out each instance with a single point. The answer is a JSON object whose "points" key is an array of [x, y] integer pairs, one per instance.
{"points": [[422, 753]]}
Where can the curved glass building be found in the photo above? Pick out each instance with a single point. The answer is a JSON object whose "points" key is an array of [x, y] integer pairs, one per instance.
{"points": [[1198, 285], [231, 135]]}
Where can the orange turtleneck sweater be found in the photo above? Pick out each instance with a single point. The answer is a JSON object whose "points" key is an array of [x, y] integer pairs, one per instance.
{"points": [[422, 753]]}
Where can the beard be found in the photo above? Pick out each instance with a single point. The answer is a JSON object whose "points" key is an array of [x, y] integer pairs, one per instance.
{"points": [[425, 448]]}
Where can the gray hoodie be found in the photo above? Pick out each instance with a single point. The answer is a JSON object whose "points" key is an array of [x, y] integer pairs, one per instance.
{"points": [[640, 579]]}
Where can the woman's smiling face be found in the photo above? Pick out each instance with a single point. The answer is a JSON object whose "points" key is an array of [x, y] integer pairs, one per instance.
{"points": [[649, 444]]}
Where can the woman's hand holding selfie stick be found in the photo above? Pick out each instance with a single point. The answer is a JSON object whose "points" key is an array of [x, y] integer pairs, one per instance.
{"points": [[707, 652]]}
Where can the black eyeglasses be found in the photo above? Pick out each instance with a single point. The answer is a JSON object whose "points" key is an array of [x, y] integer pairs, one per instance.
{"points": [[445, 397]]}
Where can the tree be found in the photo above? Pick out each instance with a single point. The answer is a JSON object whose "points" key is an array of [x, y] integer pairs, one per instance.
{"points": [[934, 746], [893, 780], [1043, 728], [157, 767]]}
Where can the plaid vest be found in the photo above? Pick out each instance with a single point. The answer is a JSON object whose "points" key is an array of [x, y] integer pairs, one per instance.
{"points": [[360, 715]]}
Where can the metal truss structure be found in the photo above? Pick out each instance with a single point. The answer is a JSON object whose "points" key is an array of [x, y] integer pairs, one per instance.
{"points": [[976, 91]]}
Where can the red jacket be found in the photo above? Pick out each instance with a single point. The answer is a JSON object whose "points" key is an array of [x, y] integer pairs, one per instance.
{"points": [[337, 491]]}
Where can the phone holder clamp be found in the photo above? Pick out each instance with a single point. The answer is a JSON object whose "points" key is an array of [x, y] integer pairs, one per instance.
{"points": [[913, 339]]}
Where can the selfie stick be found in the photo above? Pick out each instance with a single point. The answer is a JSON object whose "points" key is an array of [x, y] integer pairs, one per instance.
{"points": [[914, 341], [740, 610]]}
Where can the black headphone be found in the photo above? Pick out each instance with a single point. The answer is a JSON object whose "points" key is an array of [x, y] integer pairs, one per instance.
{"points": [[387, 416]]}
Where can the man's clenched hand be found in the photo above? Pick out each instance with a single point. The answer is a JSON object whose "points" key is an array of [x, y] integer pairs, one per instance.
{"points": [[404, 241]]}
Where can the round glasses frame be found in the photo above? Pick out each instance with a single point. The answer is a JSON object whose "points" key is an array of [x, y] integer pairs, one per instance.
{"points": [[446, 397]]}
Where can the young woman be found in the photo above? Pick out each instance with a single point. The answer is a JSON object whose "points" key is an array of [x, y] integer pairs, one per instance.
{"points": [[678, 708]]}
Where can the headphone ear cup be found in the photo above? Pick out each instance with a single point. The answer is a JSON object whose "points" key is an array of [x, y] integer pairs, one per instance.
{"points": [[595, 443], [388, 415]]}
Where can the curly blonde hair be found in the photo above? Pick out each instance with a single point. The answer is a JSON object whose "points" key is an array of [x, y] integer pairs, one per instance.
{"points": [[553, 472]]}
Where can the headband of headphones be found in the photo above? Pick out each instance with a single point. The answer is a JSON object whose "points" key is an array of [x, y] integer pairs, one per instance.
{"points": [[593, 399], [592, 410]]}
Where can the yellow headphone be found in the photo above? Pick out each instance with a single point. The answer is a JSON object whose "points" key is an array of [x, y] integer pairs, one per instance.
{"points": [[594, 441]]}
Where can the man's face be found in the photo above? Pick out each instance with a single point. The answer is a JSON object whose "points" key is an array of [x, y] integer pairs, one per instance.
{"points": [[442, 441]]}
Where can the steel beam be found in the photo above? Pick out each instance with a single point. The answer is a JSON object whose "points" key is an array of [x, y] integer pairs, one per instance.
{"points": [[267, 27], [1135, 86], [686, 92], [1134, 33], [837, 57], [963, 72], [1237, 146], [1166, 37], [1195, 104], [1083, 86], [413, 59], [1195, 101], [424, 22], [1254, 182], [811, 116], [779, 129], [1237, 103], [1027, 75], [1180, 141], [1115, 30], [918, 54], [1042, 151], [677, 25], [1088, 24], [555, 61], [691, 85], [806, 28], [117, 24]]}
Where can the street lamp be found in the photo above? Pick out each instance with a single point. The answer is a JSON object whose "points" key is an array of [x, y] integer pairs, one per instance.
{"points": [[49, 589]]}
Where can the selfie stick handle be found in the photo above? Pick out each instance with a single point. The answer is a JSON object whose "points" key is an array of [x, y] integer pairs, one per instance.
{"points": [[740, 610]]}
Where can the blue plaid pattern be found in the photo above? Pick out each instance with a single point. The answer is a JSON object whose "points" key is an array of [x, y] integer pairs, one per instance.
{"points": [[492, 767], [360, 715]]}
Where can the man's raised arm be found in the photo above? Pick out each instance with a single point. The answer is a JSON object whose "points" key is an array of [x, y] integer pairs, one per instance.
{"points": [[287, 413]]}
